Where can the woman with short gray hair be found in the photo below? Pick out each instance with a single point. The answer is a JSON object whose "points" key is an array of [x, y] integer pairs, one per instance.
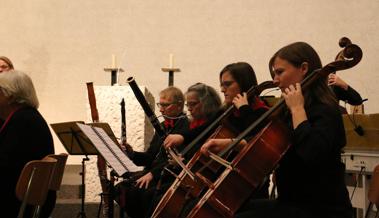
{"points": [[24, 136]]}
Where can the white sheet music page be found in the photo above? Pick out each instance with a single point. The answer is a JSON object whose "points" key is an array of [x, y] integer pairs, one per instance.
{"points": [[109, 150]]}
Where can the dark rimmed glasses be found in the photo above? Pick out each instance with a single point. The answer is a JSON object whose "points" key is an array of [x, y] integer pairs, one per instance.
{"points": [[164, 105], [226, 84], [192, 103]]}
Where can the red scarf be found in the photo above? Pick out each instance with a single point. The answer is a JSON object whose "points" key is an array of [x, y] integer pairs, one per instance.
{"points": [[169, 123], [8, 118], [196, 123], [258, 103]]}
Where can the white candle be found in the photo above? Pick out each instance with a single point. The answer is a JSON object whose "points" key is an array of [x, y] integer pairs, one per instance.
{"points": [[114, 64], [171, 61]]}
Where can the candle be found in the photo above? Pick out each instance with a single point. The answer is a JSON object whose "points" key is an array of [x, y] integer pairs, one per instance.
{"points": [[114, 64], [171, 61]]}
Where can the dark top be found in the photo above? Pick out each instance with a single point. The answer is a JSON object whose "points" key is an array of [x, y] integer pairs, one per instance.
{"points": [[311, 172], [350, 95], [25, 137], [155, 157]]}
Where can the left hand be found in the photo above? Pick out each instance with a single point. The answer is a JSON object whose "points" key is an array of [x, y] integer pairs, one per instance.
{"points": [[144, 181], [335, 80], [240, 100], [295, 101], [294, 97]]}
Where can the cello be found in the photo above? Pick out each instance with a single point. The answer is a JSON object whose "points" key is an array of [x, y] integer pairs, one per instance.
{"points": [[259, 157]]}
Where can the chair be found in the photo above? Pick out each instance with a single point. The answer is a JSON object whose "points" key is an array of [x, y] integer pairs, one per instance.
{"points": [[373, 193], [33, 184], [56, 179]]}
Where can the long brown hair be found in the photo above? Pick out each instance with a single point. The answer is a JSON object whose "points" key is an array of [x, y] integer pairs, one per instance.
{"points": [[296, 54], [243, 73]]}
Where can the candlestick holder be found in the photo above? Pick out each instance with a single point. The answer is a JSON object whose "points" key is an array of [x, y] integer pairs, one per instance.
{"points": [[113, 73], [170, 74]]}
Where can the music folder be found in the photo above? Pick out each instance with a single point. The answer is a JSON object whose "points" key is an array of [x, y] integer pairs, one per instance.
{"points": [[109, 149]]}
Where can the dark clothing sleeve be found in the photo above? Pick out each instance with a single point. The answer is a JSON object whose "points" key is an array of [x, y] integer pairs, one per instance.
{"points": [[161, 160], [350, 95], [147, 157], [248, 117], [320, 137], [155, 157], [312, 168]]}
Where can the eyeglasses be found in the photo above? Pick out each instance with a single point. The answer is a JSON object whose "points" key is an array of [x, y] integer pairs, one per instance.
{"points": [[4, 67], [192, 103], [164, 105], [226, 84]]}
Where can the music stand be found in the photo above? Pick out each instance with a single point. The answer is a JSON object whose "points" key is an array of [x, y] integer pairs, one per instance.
{"points": [[76, 143]]}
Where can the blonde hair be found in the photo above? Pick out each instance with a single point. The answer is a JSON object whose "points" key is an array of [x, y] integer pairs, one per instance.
{"points": [[18, 86], [175, 93]]}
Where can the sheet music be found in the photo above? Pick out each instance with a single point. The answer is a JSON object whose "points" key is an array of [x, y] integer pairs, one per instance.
{"points": [[112, 154]]}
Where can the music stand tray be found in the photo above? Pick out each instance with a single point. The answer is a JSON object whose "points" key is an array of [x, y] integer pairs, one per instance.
{"points": [[73, 139]]}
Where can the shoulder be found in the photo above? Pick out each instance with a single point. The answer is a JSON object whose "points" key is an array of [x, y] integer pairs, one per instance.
{"points": [[320, 110], [29, 118], [28, 114]]}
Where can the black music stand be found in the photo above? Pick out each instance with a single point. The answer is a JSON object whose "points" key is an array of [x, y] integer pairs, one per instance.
{"points": [[103, 139], [76, 143]]}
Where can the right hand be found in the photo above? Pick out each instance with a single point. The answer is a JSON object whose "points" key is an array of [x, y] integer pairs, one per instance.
{"points": [[144, 181], [214, 145], [173, 140]]}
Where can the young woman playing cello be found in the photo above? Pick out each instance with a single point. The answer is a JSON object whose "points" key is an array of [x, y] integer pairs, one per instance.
{"points": [[310, 177]]}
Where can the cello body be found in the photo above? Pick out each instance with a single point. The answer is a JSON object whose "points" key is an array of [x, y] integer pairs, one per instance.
{"points": [[248, 169]]}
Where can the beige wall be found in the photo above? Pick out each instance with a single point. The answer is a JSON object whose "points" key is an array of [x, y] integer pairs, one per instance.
{"points": [[63, 44]]}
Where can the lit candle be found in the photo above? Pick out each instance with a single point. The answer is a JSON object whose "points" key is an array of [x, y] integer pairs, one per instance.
{"points": [[171, 61], [114, 64]]}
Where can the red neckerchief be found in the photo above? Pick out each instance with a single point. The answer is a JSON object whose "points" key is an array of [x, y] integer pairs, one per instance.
{"points": [[7, 120], [169, 123], [196, 123], [258, 103]]}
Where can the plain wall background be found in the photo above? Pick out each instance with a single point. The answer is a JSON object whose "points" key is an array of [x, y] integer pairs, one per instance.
{"points": [[64, 44]]}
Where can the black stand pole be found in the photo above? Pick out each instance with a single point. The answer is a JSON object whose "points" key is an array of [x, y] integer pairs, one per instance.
{"points": [[170, 78], [111, 194], [114, 72], [171, 72], [82, 212], [114, 77]]}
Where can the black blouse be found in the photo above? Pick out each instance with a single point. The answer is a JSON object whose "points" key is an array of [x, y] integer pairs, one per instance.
{"points": [[25, 137], [311, 172]]}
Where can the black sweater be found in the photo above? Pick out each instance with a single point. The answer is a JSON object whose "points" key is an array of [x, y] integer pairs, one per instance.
{"points": [[311, 172], [25, 137]]}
